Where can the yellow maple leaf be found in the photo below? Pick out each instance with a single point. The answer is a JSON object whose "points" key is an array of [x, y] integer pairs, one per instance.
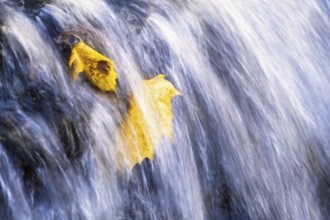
{"points": [[98, 68], [149, 118]]}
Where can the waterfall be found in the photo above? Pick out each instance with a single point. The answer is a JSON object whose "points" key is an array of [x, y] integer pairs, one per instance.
{"points": [[251, 131]]}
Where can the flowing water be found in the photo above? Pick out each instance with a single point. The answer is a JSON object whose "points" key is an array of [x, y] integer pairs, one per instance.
{"points": [[252, 129]]}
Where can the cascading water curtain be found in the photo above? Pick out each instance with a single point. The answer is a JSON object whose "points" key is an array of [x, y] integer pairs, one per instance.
{"points": [[251, 131]]}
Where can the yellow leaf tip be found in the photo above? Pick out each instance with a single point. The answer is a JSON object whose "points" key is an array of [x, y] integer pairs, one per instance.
{"points": [[177, 93], [161, 76]]}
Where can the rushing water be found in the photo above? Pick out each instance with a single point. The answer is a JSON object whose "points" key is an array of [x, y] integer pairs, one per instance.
{"points": [[252, 131]]}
